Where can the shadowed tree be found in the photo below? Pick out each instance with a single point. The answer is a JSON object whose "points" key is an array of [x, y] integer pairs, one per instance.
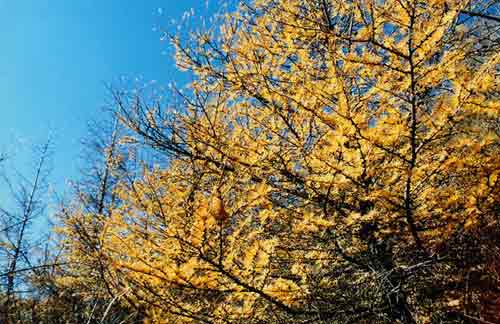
{"points": [[18, 244]]}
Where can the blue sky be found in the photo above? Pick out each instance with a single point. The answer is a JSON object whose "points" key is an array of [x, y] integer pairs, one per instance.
{"points": [[56, 56]]}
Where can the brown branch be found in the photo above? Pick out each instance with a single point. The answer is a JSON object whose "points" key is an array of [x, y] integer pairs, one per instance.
{"points": [[480, 15]]}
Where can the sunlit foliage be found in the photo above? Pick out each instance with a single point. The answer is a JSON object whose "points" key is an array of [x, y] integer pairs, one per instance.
{"points": [[333, 161]]}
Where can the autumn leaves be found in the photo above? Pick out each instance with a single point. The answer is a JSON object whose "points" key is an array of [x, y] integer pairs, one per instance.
{"points": [[217, 209], [312, 167]]}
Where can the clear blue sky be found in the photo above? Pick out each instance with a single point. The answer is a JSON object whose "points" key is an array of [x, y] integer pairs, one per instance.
{"points": [[56, 55]]}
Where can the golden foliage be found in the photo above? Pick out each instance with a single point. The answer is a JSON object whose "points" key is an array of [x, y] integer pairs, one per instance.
{"points": [[330, 155]]}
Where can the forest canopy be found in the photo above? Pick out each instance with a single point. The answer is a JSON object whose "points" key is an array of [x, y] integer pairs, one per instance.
{"points": [[332, 161]]}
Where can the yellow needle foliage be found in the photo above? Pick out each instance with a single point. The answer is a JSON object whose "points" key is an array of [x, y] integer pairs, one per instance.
{"points": [[335, 161]]}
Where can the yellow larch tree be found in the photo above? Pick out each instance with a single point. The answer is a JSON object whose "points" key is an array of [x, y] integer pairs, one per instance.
{"points": [[334, 162]]}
